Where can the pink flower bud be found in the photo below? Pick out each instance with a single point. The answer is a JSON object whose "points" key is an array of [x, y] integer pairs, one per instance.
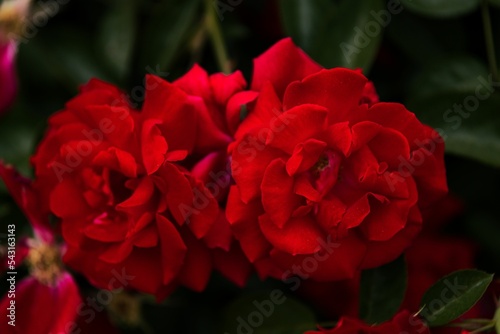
{"points": [[8, 80]]}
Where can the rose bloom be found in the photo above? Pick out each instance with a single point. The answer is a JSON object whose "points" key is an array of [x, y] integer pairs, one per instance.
{"points": [[113, 176], [403, 322], [327, 180]]}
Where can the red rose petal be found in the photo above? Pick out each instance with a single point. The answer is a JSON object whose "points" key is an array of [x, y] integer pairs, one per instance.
{"points": [[141, 195], [116, 253], [105, 229], [297, 125], [197, 264], [390, 146], [333, 260], [278, 198], [153, 146], [173, 249], [304, 156], [339, 137], [147, 237], [264, 113], [233, 108], [170, 104], [117, 160], [220, 235], [300, 235], [243, 220], [329, 215], [363, 132], [224, 86], [67, 200], [195, 82], [248, 166], [379, 253], [233, 265], [282, 64], [338, 90]]}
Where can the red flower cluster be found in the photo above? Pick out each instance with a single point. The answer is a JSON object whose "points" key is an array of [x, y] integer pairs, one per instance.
{"points": [[318, 173]]}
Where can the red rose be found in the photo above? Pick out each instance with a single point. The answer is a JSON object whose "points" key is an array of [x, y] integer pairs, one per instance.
{"points": [[113, 177], [326, 183], [402, 322]]}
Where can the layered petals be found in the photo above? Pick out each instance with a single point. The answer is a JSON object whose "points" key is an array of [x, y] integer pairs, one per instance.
{"points": [[318, 157], [122, 190]]}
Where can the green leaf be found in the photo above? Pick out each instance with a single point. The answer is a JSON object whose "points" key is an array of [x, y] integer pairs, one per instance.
{"points": [[453, 295], [356, 35], [166, 30], [346, 35], [69, 54], [117, 37], [494, 2], [458, 98], [441, 8], [496, 318], [382, 291], [19, 132], [306, 21], [452, 74], [431, 40], [473, 133], [270, 312], [483, 227]]}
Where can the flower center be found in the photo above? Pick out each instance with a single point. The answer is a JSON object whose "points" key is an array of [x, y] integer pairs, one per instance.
{"points": [[325, 172], [125, 309], [44, 262], [12, 15]]}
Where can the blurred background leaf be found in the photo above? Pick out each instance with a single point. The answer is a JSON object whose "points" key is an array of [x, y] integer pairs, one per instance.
{"points": [[166, 32], [469, 124], [382, 291], [117, 37], [249, 314], [441, 8], [346, 34]]}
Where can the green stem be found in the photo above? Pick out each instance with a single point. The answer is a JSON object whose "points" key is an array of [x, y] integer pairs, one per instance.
{"points": [[488, 35], [478, 321], [474, 325], [482, 329], [215, 33]]}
